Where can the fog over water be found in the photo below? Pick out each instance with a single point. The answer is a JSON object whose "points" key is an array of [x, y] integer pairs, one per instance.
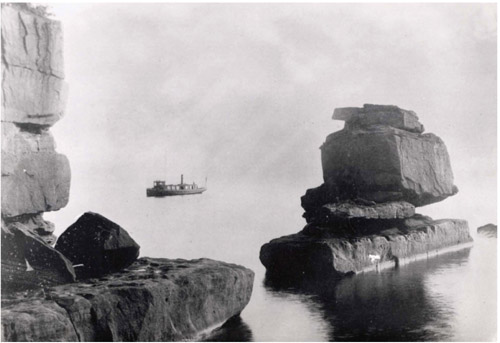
{"points": [[243, 94]]}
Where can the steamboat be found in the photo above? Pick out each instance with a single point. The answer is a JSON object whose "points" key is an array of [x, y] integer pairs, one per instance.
{"points": [[160, 189]]}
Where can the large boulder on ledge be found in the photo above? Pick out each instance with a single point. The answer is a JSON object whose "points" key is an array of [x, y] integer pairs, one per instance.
{"points": [[97, 246]]}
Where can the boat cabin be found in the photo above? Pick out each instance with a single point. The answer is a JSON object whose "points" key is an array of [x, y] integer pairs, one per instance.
{"points": [[181, 186]]}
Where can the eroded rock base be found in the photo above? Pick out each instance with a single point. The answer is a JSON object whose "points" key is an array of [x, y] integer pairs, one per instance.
{"points": [[322, 251], [152, 300]]}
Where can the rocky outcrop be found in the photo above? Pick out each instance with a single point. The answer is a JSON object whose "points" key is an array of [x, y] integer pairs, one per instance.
{"points": [[154, 300], [488, 230], [375, 171], [97, 245], [318, 251], [35, 178]]}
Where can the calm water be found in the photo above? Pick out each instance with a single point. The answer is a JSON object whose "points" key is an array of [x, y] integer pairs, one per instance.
{"points": [[449, 298]]}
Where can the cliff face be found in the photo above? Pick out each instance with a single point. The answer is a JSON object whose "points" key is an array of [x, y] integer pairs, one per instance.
{"points": [[35, 178]]}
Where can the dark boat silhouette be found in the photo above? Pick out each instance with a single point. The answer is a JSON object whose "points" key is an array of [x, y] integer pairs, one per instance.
{"points": [[160, 189]]}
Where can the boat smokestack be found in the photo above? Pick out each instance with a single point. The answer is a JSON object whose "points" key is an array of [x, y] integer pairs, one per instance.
{"points": [[182, 179]]}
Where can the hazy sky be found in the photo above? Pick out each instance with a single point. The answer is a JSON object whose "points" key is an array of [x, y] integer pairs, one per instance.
{"points": [[245, 92]]}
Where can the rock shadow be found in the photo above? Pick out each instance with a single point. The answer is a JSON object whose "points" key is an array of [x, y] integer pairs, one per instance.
{"points": [[392, 305], [234, 330]]}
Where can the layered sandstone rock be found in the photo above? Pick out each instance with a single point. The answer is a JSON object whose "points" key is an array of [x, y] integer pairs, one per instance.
{"points": [[35, 178], [153, 300], [375, 171], [381, 155]]}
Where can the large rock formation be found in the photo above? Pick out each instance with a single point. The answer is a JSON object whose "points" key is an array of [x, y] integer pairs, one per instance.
{"points": [[375, 171], [35, 178], [382, 159], [154, 300]]}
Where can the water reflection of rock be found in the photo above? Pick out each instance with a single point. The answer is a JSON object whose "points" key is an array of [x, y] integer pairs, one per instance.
{"points": [[234, 330], [394, 305]]}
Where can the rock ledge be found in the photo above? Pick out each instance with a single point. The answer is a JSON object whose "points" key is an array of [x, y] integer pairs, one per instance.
{"points": [[319, 252], [152, 300]]}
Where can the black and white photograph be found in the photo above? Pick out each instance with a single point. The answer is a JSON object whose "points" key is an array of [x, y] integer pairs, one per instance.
{"points": [[258, 171]]}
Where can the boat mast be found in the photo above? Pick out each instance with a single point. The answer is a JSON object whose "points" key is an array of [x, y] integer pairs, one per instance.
{"points": [[182, 179]]}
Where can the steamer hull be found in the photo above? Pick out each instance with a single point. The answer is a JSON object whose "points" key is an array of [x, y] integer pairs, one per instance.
{"points": [[151, 192]]}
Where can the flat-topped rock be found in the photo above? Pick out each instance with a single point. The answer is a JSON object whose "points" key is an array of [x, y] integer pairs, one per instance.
{"points": [[349, 210], [368, 115], [324, 252], [153, 300]]}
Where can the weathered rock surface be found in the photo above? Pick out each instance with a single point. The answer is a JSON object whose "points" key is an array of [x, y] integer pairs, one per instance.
{"points": [[98, 244], [32, 42], [32, 68], [334, 212], [389, 115], [384, 164], [34, 183], [488, 230], [20, 248], [52, 322], [18, 140], [320, 251], [154, 300], [32, 97]]}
